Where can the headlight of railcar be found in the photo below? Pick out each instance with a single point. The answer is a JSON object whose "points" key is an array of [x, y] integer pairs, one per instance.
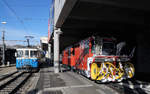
{"points": [[109, 59], [99, 59], [123, 59]]}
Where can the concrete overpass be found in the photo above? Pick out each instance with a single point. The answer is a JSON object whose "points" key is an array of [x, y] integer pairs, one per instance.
{"points": [[127, 20]]}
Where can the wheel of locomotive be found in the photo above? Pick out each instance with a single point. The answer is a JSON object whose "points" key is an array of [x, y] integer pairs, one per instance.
{"points": [[103, 70], [129, 69], [111, 75], [119, 75], [97, 72], [77, 70], [119, 72], [94, 71]]}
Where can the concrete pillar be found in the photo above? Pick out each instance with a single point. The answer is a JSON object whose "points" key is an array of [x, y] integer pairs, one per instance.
{"points": [[8, 63], [49, 54], [49, 51], [143, 53], [57, 32]]}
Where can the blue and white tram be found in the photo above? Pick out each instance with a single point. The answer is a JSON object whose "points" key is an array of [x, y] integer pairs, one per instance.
{"points": [[27, 59]]}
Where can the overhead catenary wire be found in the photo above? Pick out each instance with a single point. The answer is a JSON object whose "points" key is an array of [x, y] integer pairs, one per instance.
{"points": [[15, 42], [25, 21], [13, 11], [43, 5], [27, 18]]}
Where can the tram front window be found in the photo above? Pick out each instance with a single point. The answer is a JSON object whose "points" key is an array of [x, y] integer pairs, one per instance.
{"points": [[33, 54], [26, 53], [19, 53]]}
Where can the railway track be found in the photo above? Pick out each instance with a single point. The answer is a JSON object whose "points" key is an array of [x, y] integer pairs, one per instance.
{"points": [[116, 87], [14, 82], [122, 89], [3, 77], [119, 88]]}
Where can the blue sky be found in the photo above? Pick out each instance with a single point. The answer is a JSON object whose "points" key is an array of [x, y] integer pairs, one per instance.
{"points": [[24, 17]]}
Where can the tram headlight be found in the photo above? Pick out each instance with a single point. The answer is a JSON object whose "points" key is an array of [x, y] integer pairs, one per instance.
{"points": [[34, 60]]}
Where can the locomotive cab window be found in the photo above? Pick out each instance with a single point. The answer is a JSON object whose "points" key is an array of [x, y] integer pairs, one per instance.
{"points": [[108, 48], [98, 45], [93, 46]]}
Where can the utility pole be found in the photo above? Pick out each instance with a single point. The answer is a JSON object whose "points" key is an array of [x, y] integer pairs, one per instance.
{"points": [[28, 37], [28, 42], [3, 39]]}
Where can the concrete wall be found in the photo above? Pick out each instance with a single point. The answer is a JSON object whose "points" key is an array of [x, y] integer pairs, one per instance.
{"points": [[143, 53]]}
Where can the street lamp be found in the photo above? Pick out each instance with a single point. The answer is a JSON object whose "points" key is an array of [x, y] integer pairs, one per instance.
{"points": [[3, 39], [3, 22]]}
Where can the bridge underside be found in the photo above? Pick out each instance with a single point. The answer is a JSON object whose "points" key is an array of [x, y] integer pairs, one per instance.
{"points": [[127, 20], [119, 19]]}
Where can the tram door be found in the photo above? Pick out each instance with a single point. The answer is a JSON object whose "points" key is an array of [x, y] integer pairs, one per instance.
{"points": [[26, 57], [19, 57]]}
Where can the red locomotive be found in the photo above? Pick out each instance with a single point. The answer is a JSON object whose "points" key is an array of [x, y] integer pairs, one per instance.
{"points": [[98, 58]]}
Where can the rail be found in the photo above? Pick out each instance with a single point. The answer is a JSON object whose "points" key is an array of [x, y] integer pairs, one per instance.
{"points": [[3, 77], [14, 84]]}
